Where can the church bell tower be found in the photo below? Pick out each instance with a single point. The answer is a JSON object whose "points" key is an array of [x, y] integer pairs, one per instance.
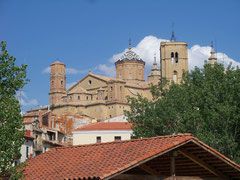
{"points": [[174, 59], [57, 83]]}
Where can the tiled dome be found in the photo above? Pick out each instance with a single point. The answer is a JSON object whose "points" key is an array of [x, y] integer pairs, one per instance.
{"points": [[130, 55]]}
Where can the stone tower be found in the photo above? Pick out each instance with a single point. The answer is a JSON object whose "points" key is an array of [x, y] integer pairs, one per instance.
{"points": [[57, 83], [212, 59], [130, 67], [174, 59], [155, 73]]}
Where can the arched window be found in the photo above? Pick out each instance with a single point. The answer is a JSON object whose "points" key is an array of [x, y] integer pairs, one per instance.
{"points": [[172, 57], [61, 83], [176, 57], [175, 78], [52, 83], [78, 97]]}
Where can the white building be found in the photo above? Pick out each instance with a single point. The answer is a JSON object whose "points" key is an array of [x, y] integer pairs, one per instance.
{"points": [[102, 132], [26, 148]]}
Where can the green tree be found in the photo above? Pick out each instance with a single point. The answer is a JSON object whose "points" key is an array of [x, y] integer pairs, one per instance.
{"points": [[206, 104], [12, 78]]}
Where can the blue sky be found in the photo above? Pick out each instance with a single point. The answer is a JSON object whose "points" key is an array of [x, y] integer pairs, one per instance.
{"points": [[91, 34]]}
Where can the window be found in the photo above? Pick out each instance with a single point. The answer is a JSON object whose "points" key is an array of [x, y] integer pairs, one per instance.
{"points": [[111, 88], [98, 139], [89, 82], [61, 83], [70, 98], [110, 116], [27, 151], [78, 97], [45, 120], [176, 57], [117, 138], [172, 57], [87, 97], [120, 88], [175, 78]]}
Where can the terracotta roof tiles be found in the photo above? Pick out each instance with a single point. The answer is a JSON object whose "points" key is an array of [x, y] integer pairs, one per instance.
{"points": [[105, 159], [105, 126]]}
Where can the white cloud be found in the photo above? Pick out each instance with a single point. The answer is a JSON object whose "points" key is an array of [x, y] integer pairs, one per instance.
{"points": [[69, 85], [199, 54], [24, 100], [75, 71], [146, 49], [107, 70], [47, 70], [150, 45]]}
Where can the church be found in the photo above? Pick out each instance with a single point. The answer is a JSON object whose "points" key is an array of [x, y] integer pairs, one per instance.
{"points": [[102, 97]]}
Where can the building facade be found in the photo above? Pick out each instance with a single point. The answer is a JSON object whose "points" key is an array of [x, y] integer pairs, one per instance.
{"points": [[101, 97], [101, 132]]}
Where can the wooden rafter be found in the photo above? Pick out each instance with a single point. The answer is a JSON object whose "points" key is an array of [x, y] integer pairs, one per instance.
{"points": [[148, 169], [201, 163]]}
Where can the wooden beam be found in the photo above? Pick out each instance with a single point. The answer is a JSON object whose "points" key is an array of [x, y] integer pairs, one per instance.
{"points": [[201, 163], [138, 177], [148, 169]]}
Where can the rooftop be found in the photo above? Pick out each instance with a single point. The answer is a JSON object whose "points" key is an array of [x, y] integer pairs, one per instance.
{"points": [[108, 160], [106, 126]]}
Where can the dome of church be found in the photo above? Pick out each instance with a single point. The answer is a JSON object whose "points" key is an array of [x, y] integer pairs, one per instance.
{"points": [[130, 55]]}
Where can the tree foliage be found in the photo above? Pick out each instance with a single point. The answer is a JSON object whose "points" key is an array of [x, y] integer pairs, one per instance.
{"points": [[206, 104], [12, 78]]}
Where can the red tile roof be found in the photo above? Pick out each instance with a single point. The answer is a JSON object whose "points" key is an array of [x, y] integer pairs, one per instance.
{"points": [[106, 126], [107, 159], [57, 62]]}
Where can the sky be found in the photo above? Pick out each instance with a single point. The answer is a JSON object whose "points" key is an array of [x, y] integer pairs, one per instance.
{"points": [[93, 34]]}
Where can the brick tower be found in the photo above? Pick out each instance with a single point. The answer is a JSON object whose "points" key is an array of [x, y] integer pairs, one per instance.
{"points": [[57, 83], [174, 59]]}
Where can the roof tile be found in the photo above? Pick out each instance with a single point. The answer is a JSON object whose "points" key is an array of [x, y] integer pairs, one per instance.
{"points": [[101, 160], [103, 126]]}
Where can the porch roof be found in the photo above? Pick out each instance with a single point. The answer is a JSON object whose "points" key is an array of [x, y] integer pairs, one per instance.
{"points": [[140, 156]]}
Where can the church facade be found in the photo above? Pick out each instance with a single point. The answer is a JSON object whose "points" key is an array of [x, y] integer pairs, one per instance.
{"points": [[102, 97]]}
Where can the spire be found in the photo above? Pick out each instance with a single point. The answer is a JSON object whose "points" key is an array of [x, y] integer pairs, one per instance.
{"points": [[155, 61], [155, 73], [129, 44], [173, 39], [212, 59]]}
